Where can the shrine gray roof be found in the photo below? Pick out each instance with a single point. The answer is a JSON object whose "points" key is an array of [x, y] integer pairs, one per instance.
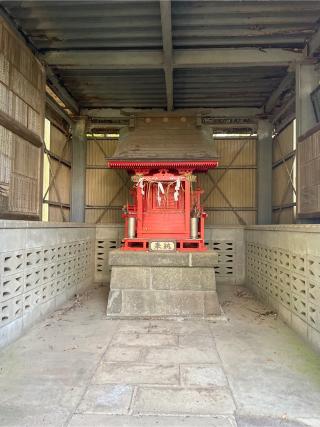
{"points": [[166, 142]]}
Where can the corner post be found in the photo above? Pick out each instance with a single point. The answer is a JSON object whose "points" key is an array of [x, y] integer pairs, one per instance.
{"points": [[264, 172], [79, 154]]}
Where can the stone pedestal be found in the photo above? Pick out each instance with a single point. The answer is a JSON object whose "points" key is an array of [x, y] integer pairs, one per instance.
{"points": [[162, 285]]}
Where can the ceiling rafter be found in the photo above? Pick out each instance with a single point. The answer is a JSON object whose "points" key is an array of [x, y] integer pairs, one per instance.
{"points": [[286, 83]]}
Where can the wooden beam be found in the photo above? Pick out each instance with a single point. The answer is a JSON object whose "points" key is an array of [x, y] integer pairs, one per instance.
{"points": [[124, 113], [290, 104], [313, 45], [106, 208], [107, 60], [55, 107], [20, 130], [165, 8], [57, 204], [144, 59], [231, 209], [61, 91], [58, 158], [231, 57], [285, 84], [285, 206], [283, 159]]}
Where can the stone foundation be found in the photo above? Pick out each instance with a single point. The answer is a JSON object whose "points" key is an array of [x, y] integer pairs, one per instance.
{"points": [[147, 285]]}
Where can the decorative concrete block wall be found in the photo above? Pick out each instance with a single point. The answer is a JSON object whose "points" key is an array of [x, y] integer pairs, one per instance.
{"points": [[227, 241], [283, 269], [41, 266]]}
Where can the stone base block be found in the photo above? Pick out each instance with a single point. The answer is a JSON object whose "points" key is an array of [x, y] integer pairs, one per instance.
{"points": [[149, 285]]}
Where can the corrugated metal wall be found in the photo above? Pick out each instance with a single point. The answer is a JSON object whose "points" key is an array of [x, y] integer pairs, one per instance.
{"points": [[283, 176], [58, 153], [230, 192], [106, 190], [22, 84]]}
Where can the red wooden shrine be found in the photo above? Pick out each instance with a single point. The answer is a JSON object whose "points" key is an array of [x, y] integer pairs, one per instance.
{"points": [[166, 212]]}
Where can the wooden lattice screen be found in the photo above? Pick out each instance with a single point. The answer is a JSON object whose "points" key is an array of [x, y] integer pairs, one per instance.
{"points": [[309, 174], [22, 83]]}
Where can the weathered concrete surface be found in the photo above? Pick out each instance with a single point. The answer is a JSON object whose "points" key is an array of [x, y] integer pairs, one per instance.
{"points": [[146, 285], [137, 373], [175, 401], [154, 259], [79, 369], [80, 420], [107, 399]]}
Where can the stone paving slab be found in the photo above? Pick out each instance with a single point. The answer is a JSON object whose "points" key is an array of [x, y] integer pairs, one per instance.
{"points": [[136, 373], [134, 326], [107, 399], [180, 355], [166, 327], [80, 420], [186, 327], [205, 342], [144, 340], [253, 421], [68, 368], [47, 378], [272, 373], [182, 401], [117, 353], [36, 402], [203, 376]]}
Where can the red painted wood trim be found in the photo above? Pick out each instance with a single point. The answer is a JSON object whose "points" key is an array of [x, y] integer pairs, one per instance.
{"points": [[193, 164]]}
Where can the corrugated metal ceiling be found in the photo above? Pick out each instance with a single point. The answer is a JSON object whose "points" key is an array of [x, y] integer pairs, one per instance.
{"points": [[243, 23], [89, 24], [225, 87], [116, 88], [117, 25]]}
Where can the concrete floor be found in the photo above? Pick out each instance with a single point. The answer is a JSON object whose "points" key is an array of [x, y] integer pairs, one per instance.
{"points": [[79, 369]]}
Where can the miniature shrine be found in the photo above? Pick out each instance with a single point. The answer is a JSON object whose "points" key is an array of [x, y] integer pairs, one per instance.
{"points": [[162, 159], [163, 269]]}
